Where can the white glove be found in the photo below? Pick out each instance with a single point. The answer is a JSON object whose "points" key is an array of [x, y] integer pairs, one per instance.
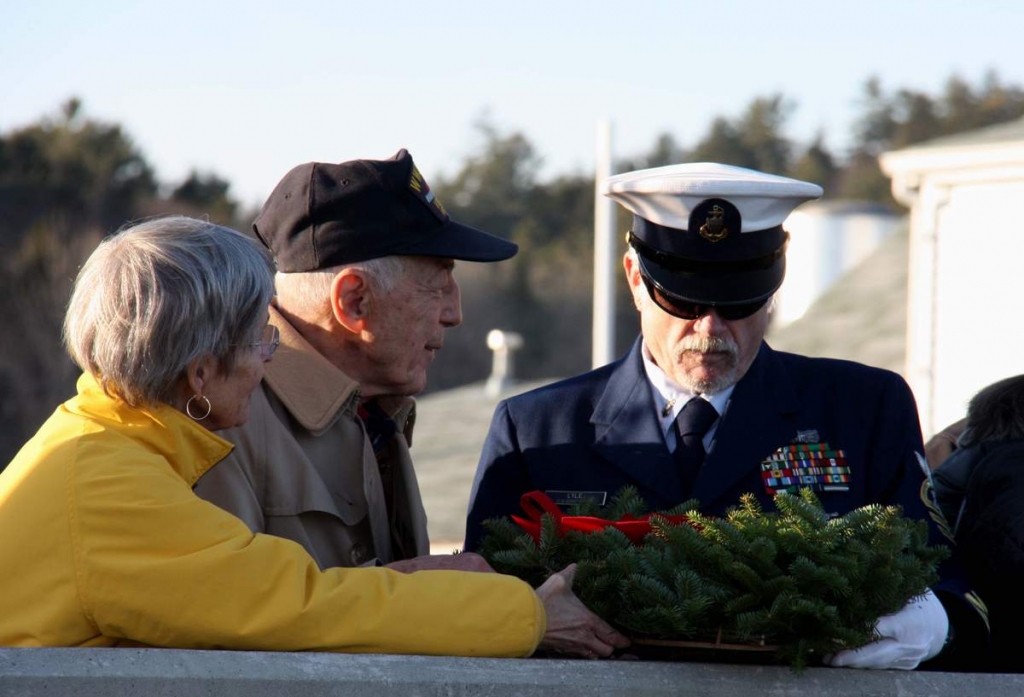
{"points": [[906, 638]]}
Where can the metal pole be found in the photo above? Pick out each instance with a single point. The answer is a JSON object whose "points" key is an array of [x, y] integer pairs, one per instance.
{"points": [[604, 254]]}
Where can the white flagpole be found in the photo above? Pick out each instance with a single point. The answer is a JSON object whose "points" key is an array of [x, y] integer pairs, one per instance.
{"points": [[604, 254]]}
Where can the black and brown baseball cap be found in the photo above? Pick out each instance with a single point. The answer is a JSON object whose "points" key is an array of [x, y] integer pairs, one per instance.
{"points": [[321, 215]]}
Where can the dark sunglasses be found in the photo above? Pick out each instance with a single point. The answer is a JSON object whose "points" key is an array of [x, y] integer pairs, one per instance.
{"points": [[685, 309]]}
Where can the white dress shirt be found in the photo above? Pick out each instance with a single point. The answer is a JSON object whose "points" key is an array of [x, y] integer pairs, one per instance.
{"points": [[670, 398]]}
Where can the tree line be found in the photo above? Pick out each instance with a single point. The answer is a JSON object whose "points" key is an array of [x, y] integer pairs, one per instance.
{"points": [[67, 180]]}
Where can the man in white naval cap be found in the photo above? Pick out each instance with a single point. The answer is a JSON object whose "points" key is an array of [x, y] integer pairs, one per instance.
{"points": [[702, 407]]}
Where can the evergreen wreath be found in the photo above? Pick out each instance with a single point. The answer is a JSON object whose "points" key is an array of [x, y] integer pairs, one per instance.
{"points": [[794, 578]]}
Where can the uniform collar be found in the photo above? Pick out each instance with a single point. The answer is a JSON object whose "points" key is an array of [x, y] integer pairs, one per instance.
{"points": [[670, 397], [189, 448]]}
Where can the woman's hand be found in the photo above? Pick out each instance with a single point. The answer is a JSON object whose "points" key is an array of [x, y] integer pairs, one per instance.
{"points": [[572, 628]]}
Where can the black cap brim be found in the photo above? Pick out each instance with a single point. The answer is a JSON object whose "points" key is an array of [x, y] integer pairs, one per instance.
{"points": [[725, 288], [457, 241]]}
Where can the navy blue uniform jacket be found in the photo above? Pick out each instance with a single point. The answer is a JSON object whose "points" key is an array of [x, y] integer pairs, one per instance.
{"points": [[598, 432]]}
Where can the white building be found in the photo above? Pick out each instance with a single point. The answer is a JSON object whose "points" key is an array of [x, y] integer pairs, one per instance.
{"points": [[827, 239], [965, 320]]}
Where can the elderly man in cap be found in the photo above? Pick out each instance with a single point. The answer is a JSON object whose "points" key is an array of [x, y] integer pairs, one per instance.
{"points": [[701, 406], [365, 293]]}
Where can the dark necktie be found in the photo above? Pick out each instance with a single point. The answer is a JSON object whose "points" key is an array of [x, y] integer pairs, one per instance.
{"points": [[692, 424], [381, 429], [379, 426]]}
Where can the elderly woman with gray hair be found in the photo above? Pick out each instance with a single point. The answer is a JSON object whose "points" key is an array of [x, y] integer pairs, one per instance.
{"points": [[104, 542]]}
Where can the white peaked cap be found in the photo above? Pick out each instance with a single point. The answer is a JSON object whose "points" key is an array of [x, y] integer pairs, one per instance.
{"points": [[667, 195]]}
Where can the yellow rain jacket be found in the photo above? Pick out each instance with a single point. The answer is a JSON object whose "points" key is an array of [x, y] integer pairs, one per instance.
{"points": [[102, 542]]}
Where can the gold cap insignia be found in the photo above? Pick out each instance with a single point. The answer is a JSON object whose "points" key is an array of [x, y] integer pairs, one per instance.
{"points": [[422, 191], [714, 229]]}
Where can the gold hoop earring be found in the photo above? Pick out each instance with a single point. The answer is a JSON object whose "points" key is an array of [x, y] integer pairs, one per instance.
{"points": [[188, 407]]}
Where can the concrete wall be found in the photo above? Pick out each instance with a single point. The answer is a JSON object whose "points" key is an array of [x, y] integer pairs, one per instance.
{"points": [[164, 672]]}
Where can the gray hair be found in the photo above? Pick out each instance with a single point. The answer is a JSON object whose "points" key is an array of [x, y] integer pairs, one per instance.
{"points": [[996, 413], [155, 296], [308, 293]]}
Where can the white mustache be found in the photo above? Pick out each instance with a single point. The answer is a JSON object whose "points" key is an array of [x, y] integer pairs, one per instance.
{"points": [[708, 344]]}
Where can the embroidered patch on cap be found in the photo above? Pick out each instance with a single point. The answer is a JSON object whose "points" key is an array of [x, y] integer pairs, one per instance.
{"points": [[815, 466], [422, 190]]}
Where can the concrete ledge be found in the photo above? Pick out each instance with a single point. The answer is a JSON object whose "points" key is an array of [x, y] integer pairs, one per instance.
{"points": [[165, 672]]}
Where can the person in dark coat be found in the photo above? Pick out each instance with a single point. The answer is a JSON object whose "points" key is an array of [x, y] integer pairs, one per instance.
{"points": [[980, 488], [702, 407]]}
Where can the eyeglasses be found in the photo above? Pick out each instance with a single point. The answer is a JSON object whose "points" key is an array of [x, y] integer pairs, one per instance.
{"points": [[270, 339], [685, 309]]}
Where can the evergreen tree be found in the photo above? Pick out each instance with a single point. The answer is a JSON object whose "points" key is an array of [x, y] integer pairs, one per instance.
{"points": [[64, 183], [755, 140], [666, 151], [917, 119], [816, 164], [762, 131], [723, 143], [999, 103], [961, 108], [206, 195], [543, 292]]}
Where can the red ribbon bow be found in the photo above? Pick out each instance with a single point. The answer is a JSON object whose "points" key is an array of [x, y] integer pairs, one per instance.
{"points": [[536, 503]]}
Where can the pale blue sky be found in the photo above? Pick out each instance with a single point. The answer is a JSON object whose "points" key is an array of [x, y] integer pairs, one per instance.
{"points": [[250, 89]]}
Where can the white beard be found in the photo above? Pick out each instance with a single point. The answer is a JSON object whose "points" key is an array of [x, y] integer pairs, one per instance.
{"points": [[724, 378]]}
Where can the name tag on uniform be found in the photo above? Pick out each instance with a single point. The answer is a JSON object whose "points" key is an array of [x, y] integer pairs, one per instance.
{"points": [[572, 498], [815, 466]]}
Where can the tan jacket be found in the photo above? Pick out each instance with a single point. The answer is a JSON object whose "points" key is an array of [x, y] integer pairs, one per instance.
{"points": [[303, 467]]}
